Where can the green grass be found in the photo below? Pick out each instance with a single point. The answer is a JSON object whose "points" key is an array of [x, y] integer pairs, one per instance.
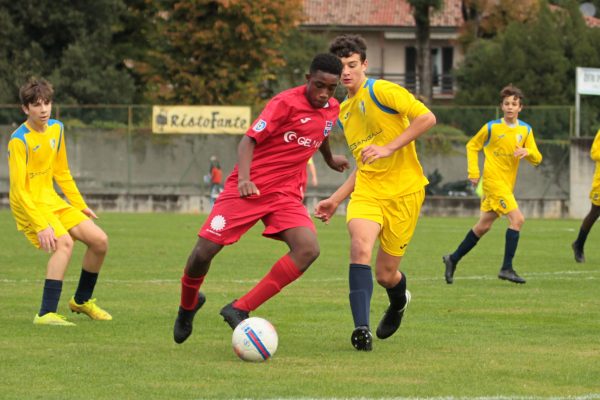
{"points": [[480, 337]]}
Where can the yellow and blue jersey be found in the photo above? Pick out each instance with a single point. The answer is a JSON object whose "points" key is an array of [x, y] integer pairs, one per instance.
{"points": [[595, 155], [36, 160], [499, 142], [377, 114]]}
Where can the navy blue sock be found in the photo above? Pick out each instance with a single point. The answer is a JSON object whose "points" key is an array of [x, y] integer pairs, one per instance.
{"points": [[581, 238], [397, 294], [465, 246], [87, 282], [512, 240], [51, 296], [361, 290]]}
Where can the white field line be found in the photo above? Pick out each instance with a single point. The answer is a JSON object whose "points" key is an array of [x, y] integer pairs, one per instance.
{"points": [[591, 396], [560, 275]]}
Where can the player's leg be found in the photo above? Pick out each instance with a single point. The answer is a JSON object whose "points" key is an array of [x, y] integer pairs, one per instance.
{"points": [[486, 220], [96, 241], [304, 249], [584, 230], [400, 221], [516, 220], [192, 299], [363, 234], [394, 282], [55, 274]]}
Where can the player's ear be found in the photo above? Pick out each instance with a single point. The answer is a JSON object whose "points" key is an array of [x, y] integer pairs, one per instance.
{"points": [[25, 109], [307, 76]]}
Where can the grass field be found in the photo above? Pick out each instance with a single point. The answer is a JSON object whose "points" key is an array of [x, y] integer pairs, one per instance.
{"points": [[478, 338]]}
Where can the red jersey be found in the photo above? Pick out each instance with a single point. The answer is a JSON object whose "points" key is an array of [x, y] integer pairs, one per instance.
{"points": [[287, 133]]}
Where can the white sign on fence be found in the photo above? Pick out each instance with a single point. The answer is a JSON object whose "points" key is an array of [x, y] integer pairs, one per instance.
{"points": [[587, 82]]}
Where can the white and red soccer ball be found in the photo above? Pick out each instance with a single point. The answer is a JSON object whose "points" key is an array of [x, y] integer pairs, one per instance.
{"points": [[254, 339]]}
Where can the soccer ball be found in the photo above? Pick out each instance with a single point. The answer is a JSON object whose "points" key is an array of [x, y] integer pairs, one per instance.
{"points": [[254, 339]]}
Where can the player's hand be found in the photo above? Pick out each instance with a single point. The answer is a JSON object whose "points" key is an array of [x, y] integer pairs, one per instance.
{"points": [[89, 213], [47, 239], [338, 163], [325, 209], [247, 188], [521, 152], [373, 152], [474, 181]]}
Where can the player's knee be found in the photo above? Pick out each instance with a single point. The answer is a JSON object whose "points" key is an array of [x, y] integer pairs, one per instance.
{"points": [[100, 243], [65, 244], [360, 253], [310, 253]]}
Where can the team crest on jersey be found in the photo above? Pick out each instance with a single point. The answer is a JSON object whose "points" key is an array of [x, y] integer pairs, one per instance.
{"points": [[361, 105], [596, 196], [328, 127], [259, 126], [52, 143], [519, 138]]}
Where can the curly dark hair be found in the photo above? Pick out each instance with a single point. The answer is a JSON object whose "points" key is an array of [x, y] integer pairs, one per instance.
{"points": [[34, 90], [346, 45], [327, 63]]}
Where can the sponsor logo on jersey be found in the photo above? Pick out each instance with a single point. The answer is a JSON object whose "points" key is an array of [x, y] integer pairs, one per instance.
{"points": [[304, 120], [347, 115], [368, 139], [503, 203], [36, 148], [328, 127], [292, 137], [403, 246], [259, 126]]}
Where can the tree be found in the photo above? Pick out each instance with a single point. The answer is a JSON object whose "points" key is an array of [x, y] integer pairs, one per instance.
{"points": [[219, 52], [69, 42], [421, 10]]}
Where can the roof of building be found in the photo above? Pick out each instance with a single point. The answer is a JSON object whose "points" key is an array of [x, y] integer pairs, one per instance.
{"points": [[376, 13]]}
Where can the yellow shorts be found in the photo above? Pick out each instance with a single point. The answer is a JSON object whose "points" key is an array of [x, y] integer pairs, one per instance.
{"points": [[60, 220], [595, 196], [397, 218], [500, 203]]}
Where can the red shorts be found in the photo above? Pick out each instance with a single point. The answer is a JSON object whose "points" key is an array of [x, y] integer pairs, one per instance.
{"points": [[232, 216]]}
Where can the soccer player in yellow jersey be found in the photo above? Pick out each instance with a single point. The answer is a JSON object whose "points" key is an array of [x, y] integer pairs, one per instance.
{"points": [[37, 158], [380, 120], [592, 216], [505, 142]]}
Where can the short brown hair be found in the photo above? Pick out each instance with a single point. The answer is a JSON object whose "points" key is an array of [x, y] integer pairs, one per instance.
{"points": [[34, 90], [511, 90]]}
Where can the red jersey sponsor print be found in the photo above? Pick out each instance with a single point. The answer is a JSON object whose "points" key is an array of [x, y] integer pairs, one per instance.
{"points": [[287, 132]]}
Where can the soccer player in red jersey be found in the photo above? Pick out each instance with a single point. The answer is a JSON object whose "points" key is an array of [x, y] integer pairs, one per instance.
{"points": [[266, 185]]}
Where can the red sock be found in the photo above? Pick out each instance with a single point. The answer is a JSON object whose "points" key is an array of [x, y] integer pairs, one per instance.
{"points": [[189, 291], [283, 272]]}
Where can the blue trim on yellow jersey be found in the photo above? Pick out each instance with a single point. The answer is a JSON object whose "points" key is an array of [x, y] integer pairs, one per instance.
{"points": [[20, 134], [489, 125], [339, 123], [369, 83], [55, 121], [523, 123]]}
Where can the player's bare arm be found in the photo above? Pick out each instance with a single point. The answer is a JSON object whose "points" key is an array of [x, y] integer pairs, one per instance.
{"points": [[245, 152], [417, 127], [325, 209], [334, 161]]}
